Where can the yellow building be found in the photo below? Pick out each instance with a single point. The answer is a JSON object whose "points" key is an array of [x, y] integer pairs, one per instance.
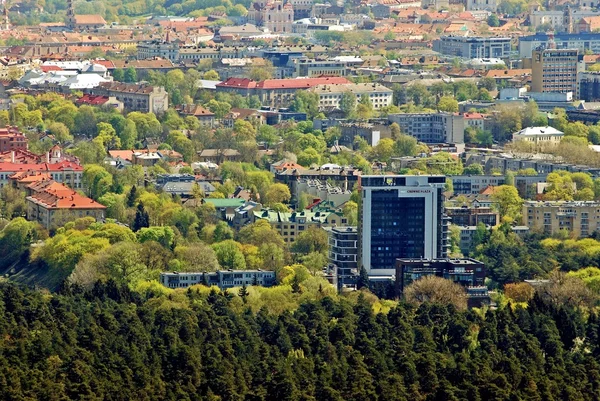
{"points": [[579, 218]]}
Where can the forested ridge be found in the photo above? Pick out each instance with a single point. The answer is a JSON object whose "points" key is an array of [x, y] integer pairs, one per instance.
{"points": [[110, 343]]}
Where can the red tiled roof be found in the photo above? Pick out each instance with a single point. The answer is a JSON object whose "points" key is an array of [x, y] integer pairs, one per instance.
{"points": [[93, 100], [237, 83], [90, 19], [47, 68], [300, 83], [58, 196]]}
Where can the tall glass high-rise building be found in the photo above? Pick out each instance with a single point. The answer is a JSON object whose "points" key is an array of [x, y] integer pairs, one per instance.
{"points": [[401, 217]]}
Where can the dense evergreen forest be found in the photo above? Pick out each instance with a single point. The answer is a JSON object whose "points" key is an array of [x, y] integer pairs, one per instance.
{"points": [[110, 343]]}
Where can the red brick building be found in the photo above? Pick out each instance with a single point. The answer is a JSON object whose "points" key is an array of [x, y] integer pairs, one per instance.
{"points": [[12, 139]]}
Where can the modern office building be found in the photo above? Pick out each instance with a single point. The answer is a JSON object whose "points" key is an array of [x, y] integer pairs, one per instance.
{"points": [[473, 46], [589, 86], [400, 217], [343, 254], [469, 273], [554, 70], [474, 184], [579, 218], [223, 278], [579, 41], [432, 127]]}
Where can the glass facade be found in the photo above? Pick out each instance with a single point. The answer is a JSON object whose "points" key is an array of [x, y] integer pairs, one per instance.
{"points": [[397, 228]]}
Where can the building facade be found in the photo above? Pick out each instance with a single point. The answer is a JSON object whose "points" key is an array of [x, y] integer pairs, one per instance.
{"points": [[223, 279], [53, 204], [432, 127], [343, 253], [400, 217], [554, 70], [135, 97], [473, 47], [330, 96], [12, 139], [579, 41], [539, 135], [589, 86], [162, 49], [471, 216], [579, 218], [474, 184]]}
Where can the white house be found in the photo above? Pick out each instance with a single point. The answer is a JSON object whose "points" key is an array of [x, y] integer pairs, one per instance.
{"points": [[538, 135]]}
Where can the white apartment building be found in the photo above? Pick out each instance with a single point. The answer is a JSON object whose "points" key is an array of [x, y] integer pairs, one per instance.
{"points": [[331, 95]]}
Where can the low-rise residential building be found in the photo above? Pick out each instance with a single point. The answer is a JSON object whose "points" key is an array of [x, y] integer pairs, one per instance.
{"points": [[135, 97], [471, 216], [205, 117], [222, 278], [65, 172], [473, 47], [159, 48], [291, 224], [579, 218], [317, 68], [53, 204], [475, 120], [219, 156], [12, 139], [432, 127], [330, 95], [322, 190], [275, 92], [539, 135]]}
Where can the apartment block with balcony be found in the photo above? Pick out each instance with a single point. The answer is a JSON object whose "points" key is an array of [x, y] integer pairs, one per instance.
{"points": [[579, 218], [343, 253]]}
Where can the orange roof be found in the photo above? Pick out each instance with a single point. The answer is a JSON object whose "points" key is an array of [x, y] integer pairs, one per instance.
{"points": [[123, 154], [58, 196], [90, 19], [508, 73], [473, 116], [489, 190]]}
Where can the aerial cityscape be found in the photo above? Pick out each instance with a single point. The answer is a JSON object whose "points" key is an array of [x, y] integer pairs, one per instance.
{"points": [[238, 200]]}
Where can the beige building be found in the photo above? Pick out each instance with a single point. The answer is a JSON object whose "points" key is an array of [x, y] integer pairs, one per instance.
{"points": [[331, 95], [539, 135], [579, 218], [555, 70], [276, 16], [52, 205], [135, 97], [291, 224]]}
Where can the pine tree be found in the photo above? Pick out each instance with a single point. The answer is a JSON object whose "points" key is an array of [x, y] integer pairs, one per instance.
{"points": [[296, 286], [243, 293], [142, 219], [363, 279], [131, 197]]}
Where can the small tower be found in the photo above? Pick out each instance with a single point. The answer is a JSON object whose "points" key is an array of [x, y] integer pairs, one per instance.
{"points": [[70, 14], [6, 25]]}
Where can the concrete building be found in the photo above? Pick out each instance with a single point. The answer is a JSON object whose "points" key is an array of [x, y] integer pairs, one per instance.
{"points": [[331, 95], [291, 224], [223, 279], [539, 135], [343, 254], [555, 70], [579, 218], [53, 204], [473, 47], [400, 217], [579, 41], [477, 5], [162, 49], [466, 272], [474, 184], [317, 68], [135, 97], [432, 127], [322, 190], [588, 86], [471, 216]]}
